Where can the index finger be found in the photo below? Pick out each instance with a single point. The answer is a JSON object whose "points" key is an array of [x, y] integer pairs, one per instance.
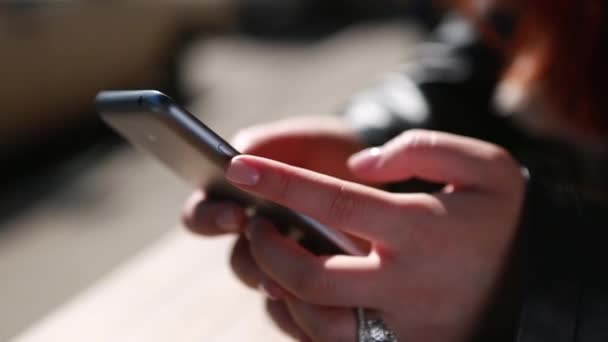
{"points": [[357, 209]]}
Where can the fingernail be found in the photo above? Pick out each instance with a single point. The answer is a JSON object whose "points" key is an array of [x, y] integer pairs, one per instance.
{"points": [[263, 288], [228, 221], [240, 173], [365, 159]]}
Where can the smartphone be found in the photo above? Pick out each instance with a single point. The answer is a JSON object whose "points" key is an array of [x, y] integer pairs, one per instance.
{"points": [[154, 123]]}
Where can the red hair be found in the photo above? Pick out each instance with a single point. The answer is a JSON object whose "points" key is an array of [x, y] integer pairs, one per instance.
{"points": [[566, 43]]}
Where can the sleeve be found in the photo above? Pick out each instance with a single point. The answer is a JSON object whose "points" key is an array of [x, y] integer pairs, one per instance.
{"points": [[565, 283], [556, 288]]}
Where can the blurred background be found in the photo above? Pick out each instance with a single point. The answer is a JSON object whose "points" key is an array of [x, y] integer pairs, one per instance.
{"points": [[75, 201]]}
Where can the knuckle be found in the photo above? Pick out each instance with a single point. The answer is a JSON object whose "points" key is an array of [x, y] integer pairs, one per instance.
{"points": [[417, 137], [283, 187], [426, 205], [342, 206], [406, 207]]}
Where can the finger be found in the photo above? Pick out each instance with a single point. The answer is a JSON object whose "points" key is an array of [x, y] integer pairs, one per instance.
{"points": [[212, 218], [324, 324], [437, 157], [244, 265], [357, 209], [280, 315], [340, 281]]}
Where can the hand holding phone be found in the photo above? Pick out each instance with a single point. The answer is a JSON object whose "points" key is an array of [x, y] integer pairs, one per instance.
{"points": [[154, 123]]}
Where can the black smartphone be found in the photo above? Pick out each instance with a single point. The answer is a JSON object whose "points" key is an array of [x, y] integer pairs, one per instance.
{"points": [[153, 122]]}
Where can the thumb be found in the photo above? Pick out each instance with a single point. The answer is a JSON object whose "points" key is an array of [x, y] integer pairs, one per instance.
{"points": [[436, 157]]}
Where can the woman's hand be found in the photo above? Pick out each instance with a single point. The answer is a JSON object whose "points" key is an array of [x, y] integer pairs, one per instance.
{"points": [[323, 144], [436, 258]]}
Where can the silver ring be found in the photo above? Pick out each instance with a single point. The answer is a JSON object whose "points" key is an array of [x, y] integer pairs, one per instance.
{"points": [[373, 329]]}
